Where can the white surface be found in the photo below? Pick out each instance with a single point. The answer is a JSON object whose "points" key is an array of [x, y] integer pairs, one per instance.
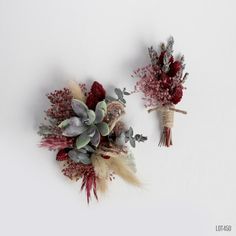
{"points": [[190, 187]]}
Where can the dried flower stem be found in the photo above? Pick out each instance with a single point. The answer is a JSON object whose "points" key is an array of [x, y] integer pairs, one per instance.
{"points": [[170, 108]]}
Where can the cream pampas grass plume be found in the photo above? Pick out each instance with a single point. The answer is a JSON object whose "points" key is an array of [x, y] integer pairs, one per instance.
{"points": [[76, 91]]}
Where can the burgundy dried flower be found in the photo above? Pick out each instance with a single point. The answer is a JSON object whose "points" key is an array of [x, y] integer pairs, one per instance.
{"points": [[60, 105], [96, 94], [175, 67], [166, 81], [161, 57], [75, 171], [56, 142], [62, 155], [177, 95]]}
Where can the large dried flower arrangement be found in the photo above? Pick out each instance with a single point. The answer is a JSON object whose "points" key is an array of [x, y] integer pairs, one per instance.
{"points": [[86, 131]]}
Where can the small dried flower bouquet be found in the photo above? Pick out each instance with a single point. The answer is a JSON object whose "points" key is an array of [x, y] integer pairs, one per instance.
{"points": [[161, 82], [86, 131]]}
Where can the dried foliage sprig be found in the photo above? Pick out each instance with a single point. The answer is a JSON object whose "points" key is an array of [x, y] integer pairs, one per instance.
{"points": [[162, 84], [91, 141]]}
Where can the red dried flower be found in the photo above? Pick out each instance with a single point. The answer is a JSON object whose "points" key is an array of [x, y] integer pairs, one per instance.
{"points": [[91, 101], [54, 142], [96, 94], [177, 95], [165, 81], [62, 155], [60, 105], [98, 90], [174, 68]]}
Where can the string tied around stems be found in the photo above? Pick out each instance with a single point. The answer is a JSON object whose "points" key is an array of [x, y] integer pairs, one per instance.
{"points": [[168, 123]]}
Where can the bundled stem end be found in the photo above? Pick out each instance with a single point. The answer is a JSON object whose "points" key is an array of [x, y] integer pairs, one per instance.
{"points": [[166, 137]]}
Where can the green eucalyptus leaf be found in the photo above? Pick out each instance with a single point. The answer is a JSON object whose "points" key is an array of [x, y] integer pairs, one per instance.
{"points": [[119, 93], [103, 128], [82, 140], [132, 142], [126, 93], [131, 132]]}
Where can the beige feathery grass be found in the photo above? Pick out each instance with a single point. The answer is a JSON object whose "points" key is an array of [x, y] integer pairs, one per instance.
{"points": [[102, 172], [76, 91], [100, 166], [120, 167], [118, 164], [102, 185]]}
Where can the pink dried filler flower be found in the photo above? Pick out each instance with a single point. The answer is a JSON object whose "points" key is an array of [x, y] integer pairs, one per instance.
{"points": [[161, 83]]}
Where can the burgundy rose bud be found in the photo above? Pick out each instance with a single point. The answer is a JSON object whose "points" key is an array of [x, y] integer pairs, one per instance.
{"points": [[96, 94], [177, 95], [62, 155], [165, 81], [174, 68], [91, 101], [161, 58], [98, 91]]}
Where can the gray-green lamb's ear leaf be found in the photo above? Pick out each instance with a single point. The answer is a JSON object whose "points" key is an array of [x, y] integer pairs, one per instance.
{"points": [[77, 156], [82, 141], [79, 108], [91, 131], [100, 114], [91, 117], [73, 121], [132, 142], [73, 131], [64, 123], [89, 148], [103, 128], [85, 159], [102, 106], [95, 140]]}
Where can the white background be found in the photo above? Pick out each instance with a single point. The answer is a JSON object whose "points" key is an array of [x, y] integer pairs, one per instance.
{"points": [[188, 188]]}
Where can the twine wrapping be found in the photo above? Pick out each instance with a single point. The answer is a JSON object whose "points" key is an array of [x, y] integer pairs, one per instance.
{"points": [[168, 118]]}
